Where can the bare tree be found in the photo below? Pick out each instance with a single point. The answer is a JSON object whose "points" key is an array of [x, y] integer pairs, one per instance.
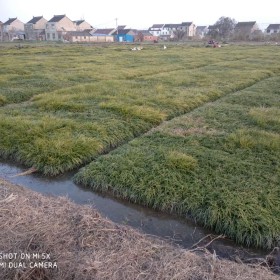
{"points": [[179, 35], [224, 28]]}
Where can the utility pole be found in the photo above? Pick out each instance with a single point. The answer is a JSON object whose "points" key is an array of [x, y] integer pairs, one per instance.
{"points": [[117, 25]]}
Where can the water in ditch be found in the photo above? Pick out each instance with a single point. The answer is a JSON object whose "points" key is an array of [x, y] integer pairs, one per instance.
{"points": [[179, 230]]}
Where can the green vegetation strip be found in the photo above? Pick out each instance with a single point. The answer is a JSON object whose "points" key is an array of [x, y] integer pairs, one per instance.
{"points": [[219, 164]]}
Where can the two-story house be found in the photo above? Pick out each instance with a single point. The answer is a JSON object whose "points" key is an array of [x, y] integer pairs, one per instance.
{"points": [[169, 30], [245, 30], [273, 29], [58, 26], [157, 30], [189, 28], [13, 29], [35, 28], [201, 31]]}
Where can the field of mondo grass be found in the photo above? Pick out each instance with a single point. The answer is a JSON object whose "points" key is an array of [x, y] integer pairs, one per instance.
{"points": [[61, 106], [188, 130], [219, 164]]}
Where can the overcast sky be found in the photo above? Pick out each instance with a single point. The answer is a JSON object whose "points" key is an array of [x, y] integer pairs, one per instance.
{"points": [[143, 13]]}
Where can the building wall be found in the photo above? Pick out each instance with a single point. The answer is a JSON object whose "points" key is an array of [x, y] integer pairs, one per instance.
{"points": [[40, 24], [191, 30], [65, 25], [1, 31], [33, 31], [102, 39], [83, 26], [56, 30], [91, 39], [10, 31], [125, 38]]}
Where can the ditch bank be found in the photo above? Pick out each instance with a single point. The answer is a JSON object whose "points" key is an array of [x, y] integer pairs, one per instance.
{"points": [[171, 228], [54, 238]]}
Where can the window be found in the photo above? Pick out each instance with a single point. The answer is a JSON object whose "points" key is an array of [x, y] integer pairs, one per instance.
{"points": [[48, 36], [53, 36]]}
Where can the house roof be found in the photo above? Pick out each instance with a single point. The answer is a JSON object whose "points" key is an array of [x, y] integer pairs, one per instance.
{"points": [[145, 32], [34, 20], [121, 27], [106, 31], [186, 23], [157, 25], [123, 31], [201, 28], [172, 25], [274, 26], [78, 22], [56, 18], [246, 24], [9, 21]]}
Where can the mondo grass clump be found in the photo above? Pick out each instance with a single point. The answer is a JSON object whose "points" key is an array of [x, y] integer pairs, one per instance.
{"points": [[3, 100], [215, 165]]}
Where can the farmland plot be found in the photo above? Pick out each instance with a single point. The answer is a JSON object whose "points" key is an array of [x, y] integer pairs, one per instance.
{"points": [[90, 108], [217, 161], [219, 164]]}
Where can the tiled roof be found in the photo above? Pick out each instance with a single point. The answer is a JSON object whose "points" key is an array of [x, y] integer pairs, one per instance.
{"points": [[186, 23], [157, 26], [9, 21], [56, 18], [201, 27], [245, 24], [121, 27], [172, 25], [274, 26], [145, 32], [34, 20], [122, 31], [106, 31], [78, 22]]}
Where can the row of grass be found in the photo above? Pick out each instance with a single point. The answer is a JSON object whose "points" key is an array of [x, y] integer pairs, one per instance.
{"points": [[219, 164], [35, 69], [63, 129]]}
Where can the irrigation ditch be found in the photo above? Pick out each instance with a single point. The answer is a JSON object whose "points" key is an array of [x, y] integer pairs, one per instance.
{"points": [[175, 229]]}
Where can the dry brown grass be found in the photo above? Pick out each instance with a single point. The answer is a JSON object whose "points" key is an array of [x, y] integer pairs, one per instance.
{"points": [[85, 245]]}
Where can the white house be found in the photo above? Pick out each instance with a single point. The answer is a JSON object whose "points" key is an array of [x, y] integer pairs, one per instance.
{"points": [[273, 29]]}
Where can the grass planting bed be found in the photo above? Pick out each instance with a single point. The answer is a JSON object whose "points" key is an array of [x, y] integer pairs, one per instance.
{"points": [[219, 164], [63, 106]]}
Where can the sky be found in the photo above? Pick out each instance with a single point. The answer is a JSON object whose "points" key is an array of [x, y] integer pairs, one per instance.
{"points": [[142, 14]]}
